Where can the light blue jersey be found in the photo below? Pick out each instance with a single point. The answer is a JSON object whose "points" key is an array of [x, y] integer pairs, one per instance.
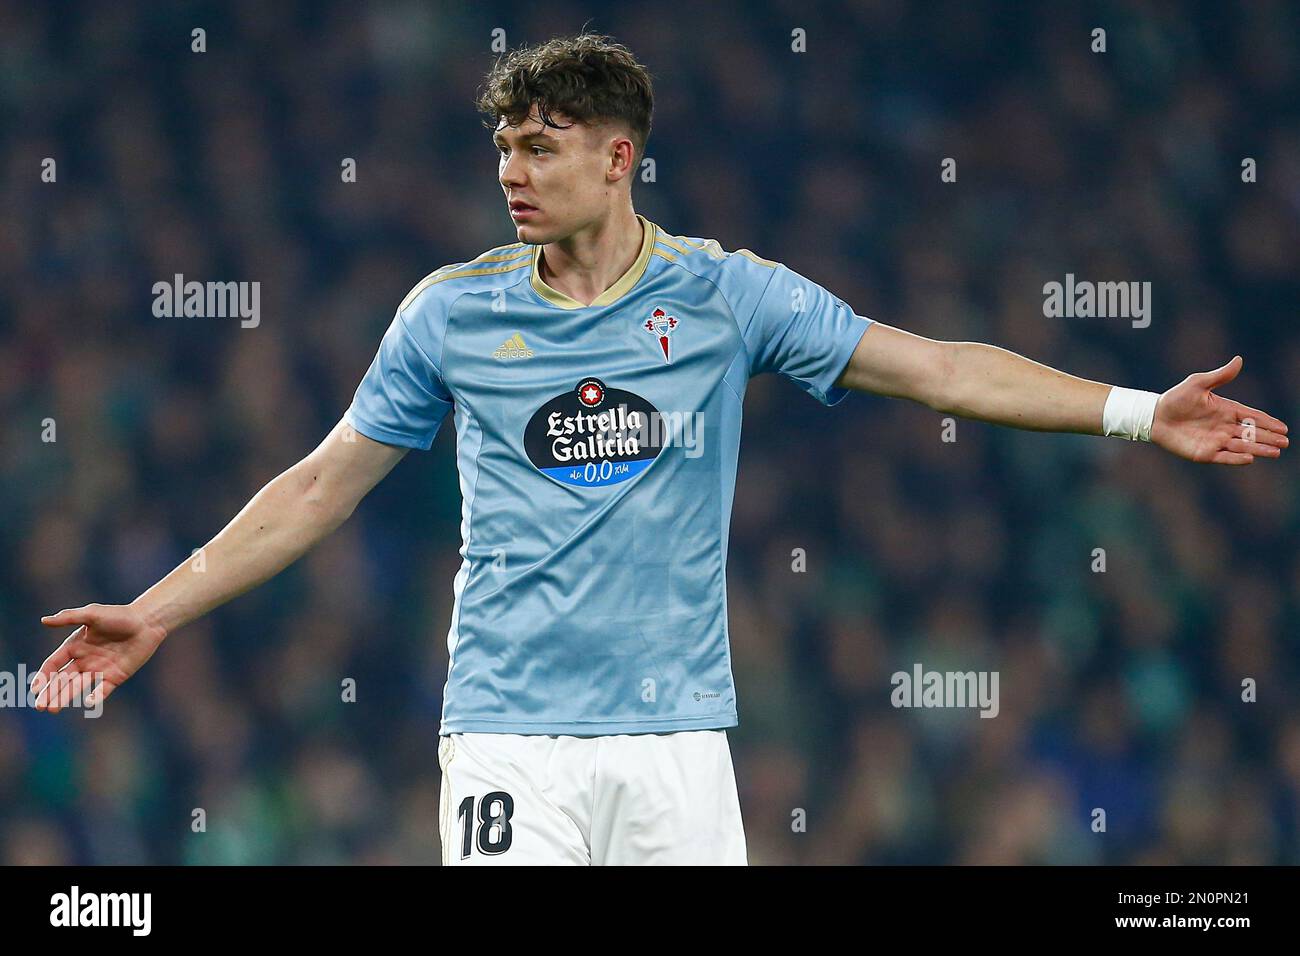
{"points": [[597, 450]]}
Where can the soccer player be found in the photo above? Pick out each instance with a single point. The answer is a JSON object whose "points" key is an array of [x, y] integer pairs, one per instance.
{"points": [[596, 370]]}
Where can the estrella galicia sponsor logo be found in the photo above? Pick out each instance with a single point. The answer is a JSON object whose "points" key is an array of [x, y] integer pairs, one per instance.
{"points": [[591, 435]]}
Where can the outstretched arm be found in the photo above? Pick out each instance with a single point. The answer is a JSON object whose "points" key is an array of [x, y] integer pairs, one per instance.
{"points": [[283, 521], [987, 383]]}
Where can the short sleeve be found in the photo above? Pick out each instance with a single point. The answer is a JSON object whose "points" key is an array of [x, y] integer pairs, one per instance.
{"points": [[801, 331], [402, 400]]}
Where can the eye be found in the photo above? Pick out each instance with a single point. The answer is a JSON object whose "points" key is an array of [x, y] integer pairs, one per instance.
{"points": [[539, 150]]}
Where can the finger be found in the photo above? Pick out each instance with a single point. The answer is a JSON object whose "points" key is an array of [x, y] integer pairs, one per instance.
{"points": [[43, 691], [60, 691], [78, 687], [58, 694], [1265, 435], [1258, 449], [1261, 419], [77, 615], [1231, 458], [54, 691], [66, 652], [1221, 375], [100, 693]]}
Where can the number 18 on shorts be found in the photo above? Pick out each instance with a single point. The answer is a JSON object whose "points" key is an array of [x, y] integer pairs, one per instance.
{"points": [[626, 799]]}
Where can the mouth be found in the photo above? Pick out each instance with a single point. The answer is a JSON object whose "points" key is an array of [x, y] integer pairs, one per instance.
{"points": [[521, 210]]}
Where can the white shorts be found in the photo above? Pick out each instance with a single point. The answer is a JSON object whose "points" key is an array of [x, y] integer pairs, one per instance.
{"points": [[625, 799]]}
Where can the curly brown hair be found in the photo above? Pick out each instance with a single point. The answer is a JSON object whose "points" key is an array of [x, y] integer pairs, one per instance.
{"points": [[587, 77]]}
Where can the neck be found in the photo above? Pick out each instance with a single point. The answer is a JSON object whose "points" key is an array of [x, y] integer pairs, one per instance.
{"points": [[585, 264]]}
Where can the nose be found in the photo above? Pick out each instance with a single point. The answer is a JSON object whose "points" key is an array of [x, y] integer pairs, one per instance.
{"points": [[511, 173]]}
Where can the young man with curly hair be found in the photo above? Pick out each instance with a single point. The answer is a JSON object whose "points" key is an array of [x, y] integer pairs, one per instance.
{"points": [[596, 369]]}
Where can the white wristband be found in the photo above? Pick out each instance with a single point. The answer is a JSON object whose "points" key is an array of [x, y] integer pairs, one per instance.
{"points": [[1129, 413]]}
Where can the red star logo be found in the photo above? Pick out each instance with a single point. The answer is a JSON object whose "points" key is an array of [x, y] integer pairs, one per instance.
{"points": [[591, 392]]}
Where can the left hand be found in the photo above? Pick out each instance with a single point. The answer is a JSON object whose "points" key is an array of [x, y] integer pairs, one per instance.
{"points": [[1194, 423]]}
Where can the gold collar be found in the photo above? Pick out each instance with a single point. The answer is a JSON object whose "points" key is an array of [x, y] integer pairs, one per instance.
{"points": [[614, 292]]}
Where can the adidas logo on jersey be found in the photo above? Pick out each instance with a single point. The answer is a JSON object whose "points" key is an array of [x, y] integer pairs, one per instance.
{"points": [[513, 348]]}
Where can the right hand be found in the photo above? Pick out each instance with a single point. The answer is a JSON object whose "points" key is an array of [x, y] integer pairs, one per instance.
{"points": [[110, 644]]}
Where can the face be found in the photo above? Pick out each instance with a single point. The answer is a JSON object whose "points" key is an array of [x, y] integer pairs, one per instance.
{"points": [[557, 181]]}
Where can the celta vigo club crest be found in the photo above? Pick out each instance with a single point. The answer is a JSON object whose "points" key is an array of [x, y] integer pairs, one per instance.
{"points": [[661, 324]]}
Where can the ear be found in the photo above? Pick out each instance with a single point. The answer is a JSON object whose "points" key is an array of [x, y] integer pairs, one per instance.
{"points": [[622, 156]]}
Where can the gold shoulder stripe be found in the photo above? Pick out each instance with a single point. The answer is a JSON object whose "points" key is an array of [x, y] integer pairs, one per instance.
{"points": [[668, 241], [508, 267], [664, 255], [710, 246], [447, 272], [509, 252], [516, 250], [759, 259], [425, 283]]}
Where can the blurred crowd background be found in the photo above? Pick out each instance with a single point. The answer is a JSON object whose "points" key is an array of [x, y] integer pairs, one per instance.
{"points": [[1119, 690]]}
